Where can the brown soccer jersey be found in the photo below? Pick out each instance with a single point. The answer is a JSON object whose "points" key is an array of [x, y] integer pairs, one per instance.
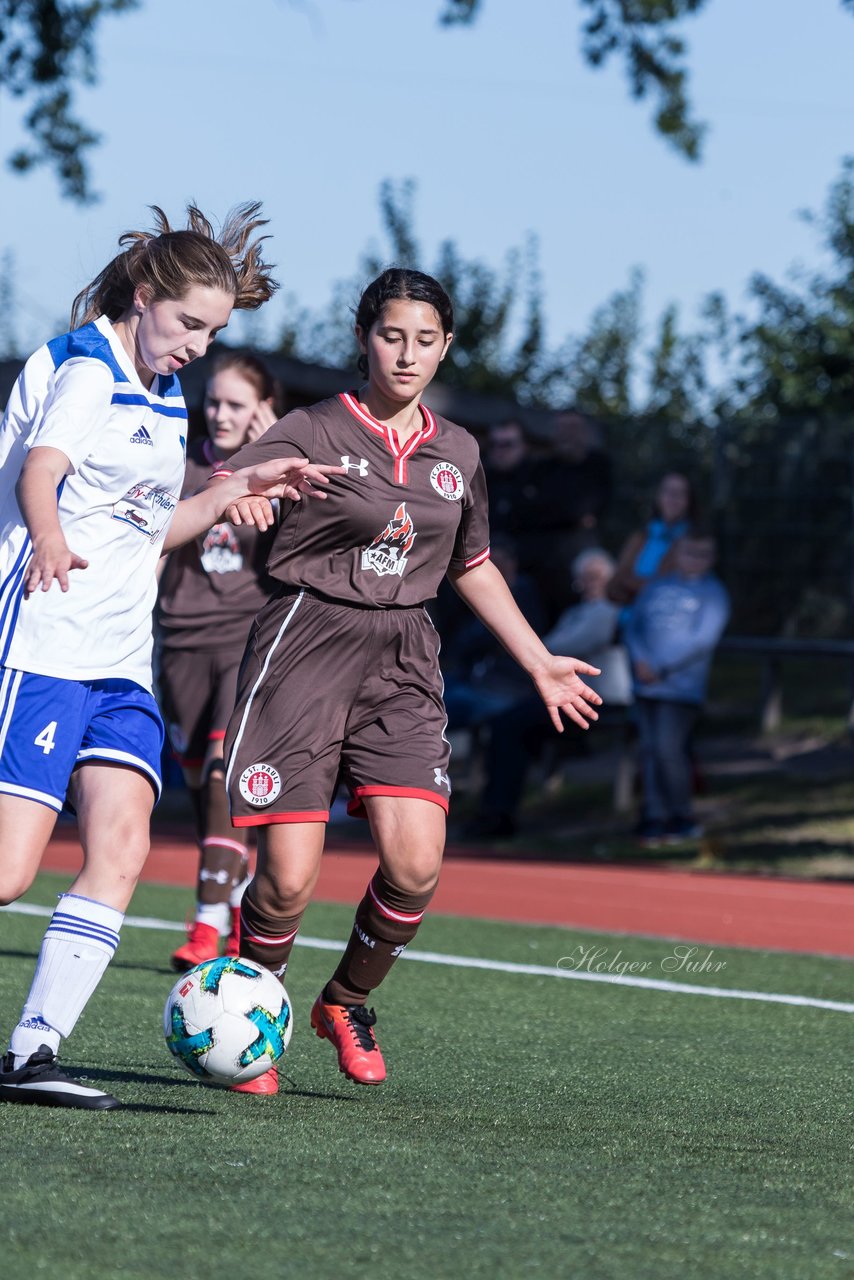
{"points": [[391, 526], [213, 587]]}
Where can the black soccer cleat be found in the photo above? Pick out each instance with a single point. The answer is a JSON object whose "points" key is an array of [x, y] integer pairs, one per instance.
{"points": [[41, 1083]]}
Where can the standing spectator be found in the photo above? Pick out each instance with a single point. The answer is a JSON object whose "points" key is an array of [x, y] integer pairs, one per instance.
{"points": [[511, 479], [573, 491], [673, 629], [647, 551]]}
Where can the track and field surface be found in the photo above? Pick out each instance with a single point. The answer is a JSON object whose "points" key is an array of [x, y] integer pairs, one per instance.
{"points": [[532, 1124], [734, 910]]}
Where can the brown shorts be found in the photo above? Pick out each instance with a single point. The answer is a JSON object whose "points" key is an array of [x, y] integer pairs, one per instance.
{"points": [[196, 693], [330, 691]]}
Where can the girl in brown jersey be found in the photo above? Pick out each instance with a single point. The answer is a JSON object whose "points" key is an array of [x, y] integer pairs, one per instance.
{"points": [[210, 591], [341, 679]]}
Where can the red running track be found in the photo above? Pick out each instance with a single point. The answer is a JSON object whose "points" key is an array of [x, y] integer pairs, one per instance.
{"points": [[749, 911]]}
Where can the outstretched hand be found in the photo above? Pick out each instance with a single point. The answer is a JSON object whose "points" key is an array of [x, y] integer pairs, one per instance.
{"points": [[51, 558], [561, 689], [292, 478]]}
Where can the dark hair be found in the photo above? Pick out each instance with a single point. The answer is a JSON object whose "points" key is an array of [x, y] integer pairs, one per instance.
{"points": [[253, 371], [503, 423], [692, 513], [404, 285], [171, 262]]}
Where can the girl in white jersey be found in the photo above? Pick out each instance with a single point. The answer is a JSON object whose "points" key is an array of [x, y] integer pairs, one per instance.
{"points": [[92, 451]]}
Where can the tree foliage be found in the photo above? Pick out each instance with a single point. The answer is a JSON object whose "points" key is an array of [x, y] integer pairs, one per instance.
{"points": [[46, 48], [643, 34], [797, 354], [499, 345]]}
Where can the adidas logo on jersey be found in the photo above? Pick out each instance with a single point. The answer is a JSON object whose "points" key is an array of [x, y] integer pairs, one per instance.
{"points": [[142, 437]]}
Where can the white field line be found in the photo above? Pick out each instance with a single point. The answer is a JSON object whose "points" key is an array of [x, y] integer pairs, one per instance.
{"points": [[506, 966]]}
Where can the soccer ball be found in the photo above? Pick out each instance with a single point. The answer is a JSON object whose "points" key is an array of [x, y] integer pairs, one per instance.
{"points": [[227, 1020]]}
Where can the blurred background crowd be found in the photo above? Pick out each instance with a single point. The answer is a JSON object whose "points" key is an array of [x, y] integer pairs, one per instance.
{"points": [[626, 583]]}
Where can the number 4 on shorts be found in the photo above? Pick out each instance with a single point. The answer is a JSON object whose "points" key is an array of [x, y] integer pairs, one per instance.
{"points": [[45, 739]]}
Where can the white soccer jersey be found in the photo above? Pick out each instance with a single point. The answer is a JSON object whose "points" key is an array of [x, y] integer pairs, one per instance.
{"points": [[127, 446]]}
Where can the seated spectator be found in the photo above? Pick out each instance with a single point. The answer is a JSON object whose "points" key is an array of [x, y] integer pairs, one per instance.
{"points": [[518, 731], [647, 551], [590, 627], [675, 624]]}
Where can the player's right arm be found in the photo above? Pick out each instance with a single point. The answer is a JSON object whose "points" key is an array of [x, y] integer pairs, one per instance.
{"points": [[43, 471], [72, 422]]}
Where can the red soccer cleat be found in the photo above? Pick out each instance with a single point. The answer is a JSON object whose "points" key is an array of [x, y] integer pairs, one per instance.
{"points": [[232, 944], [267, 1083], [349, 1027], [202, 944]]}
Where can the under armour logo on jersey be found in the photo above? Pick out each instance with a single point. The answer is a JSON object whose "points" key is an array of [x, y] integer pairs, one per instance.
{"points": [[142, 437], [361, 466], [441, 779]]}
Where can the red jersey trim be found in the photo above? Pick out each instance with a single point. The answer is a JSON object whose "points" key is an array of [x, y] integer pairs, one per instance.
{"points": [[216, 735], [400, 452], [478, 559], [267, 819], [356, 809]]}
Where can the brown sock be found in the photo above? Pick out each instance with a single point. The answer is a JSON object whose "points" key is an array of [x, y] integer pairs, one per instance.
{"points": [[266, 939], [197, 803], [223, 859], [387, 919]]}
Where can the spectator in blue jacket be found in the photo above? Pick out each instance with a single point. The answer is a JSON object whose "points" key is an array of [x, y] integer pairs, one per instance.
{"points": [[649, 551], [671, 635]]}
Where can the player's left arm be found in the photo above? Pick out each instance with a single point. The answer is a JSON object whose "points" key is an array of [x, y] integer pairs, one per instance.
{"points": [[557, 679], [245, 495]]}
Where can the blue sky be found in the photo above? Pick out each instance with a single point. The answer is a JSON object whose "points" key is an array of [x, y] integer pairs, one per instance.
{"points": [[309, 104]]}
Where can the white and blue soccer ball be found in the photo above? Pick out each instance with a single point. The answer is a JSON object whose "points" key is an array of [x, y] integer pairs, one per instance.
{"points": [[227, 1020]]}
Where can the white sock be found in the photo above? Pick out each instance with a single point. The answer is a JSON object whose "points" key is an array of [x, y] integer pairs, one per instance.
{"points": [[215, 914], [77, 947]]}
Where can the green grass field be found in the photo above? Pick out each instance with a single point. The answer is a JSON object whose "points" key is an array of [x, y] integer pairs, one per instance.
{"points": [[532, 1125]]}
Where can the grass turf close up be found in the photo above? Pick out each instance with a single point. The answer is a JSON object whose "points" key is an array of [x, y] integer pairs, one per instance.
{"points": [[531, 1126]]}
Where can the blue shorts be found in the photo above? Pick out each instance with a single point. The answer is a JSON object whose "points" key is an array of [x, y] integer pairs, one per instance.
{"points": [[49, 726]]}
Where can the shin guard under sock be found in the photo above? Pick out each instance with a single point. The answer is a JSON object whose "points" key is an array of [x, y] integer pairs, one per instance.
{"points": [[387, 919], [77, 947], [223, 858], [266, 939]]}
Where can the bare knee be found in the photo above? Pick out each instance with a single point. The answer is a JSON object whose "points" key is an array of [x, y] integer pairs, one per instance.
{"points": [[282, 892], [414, 880], [14, 884]]}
